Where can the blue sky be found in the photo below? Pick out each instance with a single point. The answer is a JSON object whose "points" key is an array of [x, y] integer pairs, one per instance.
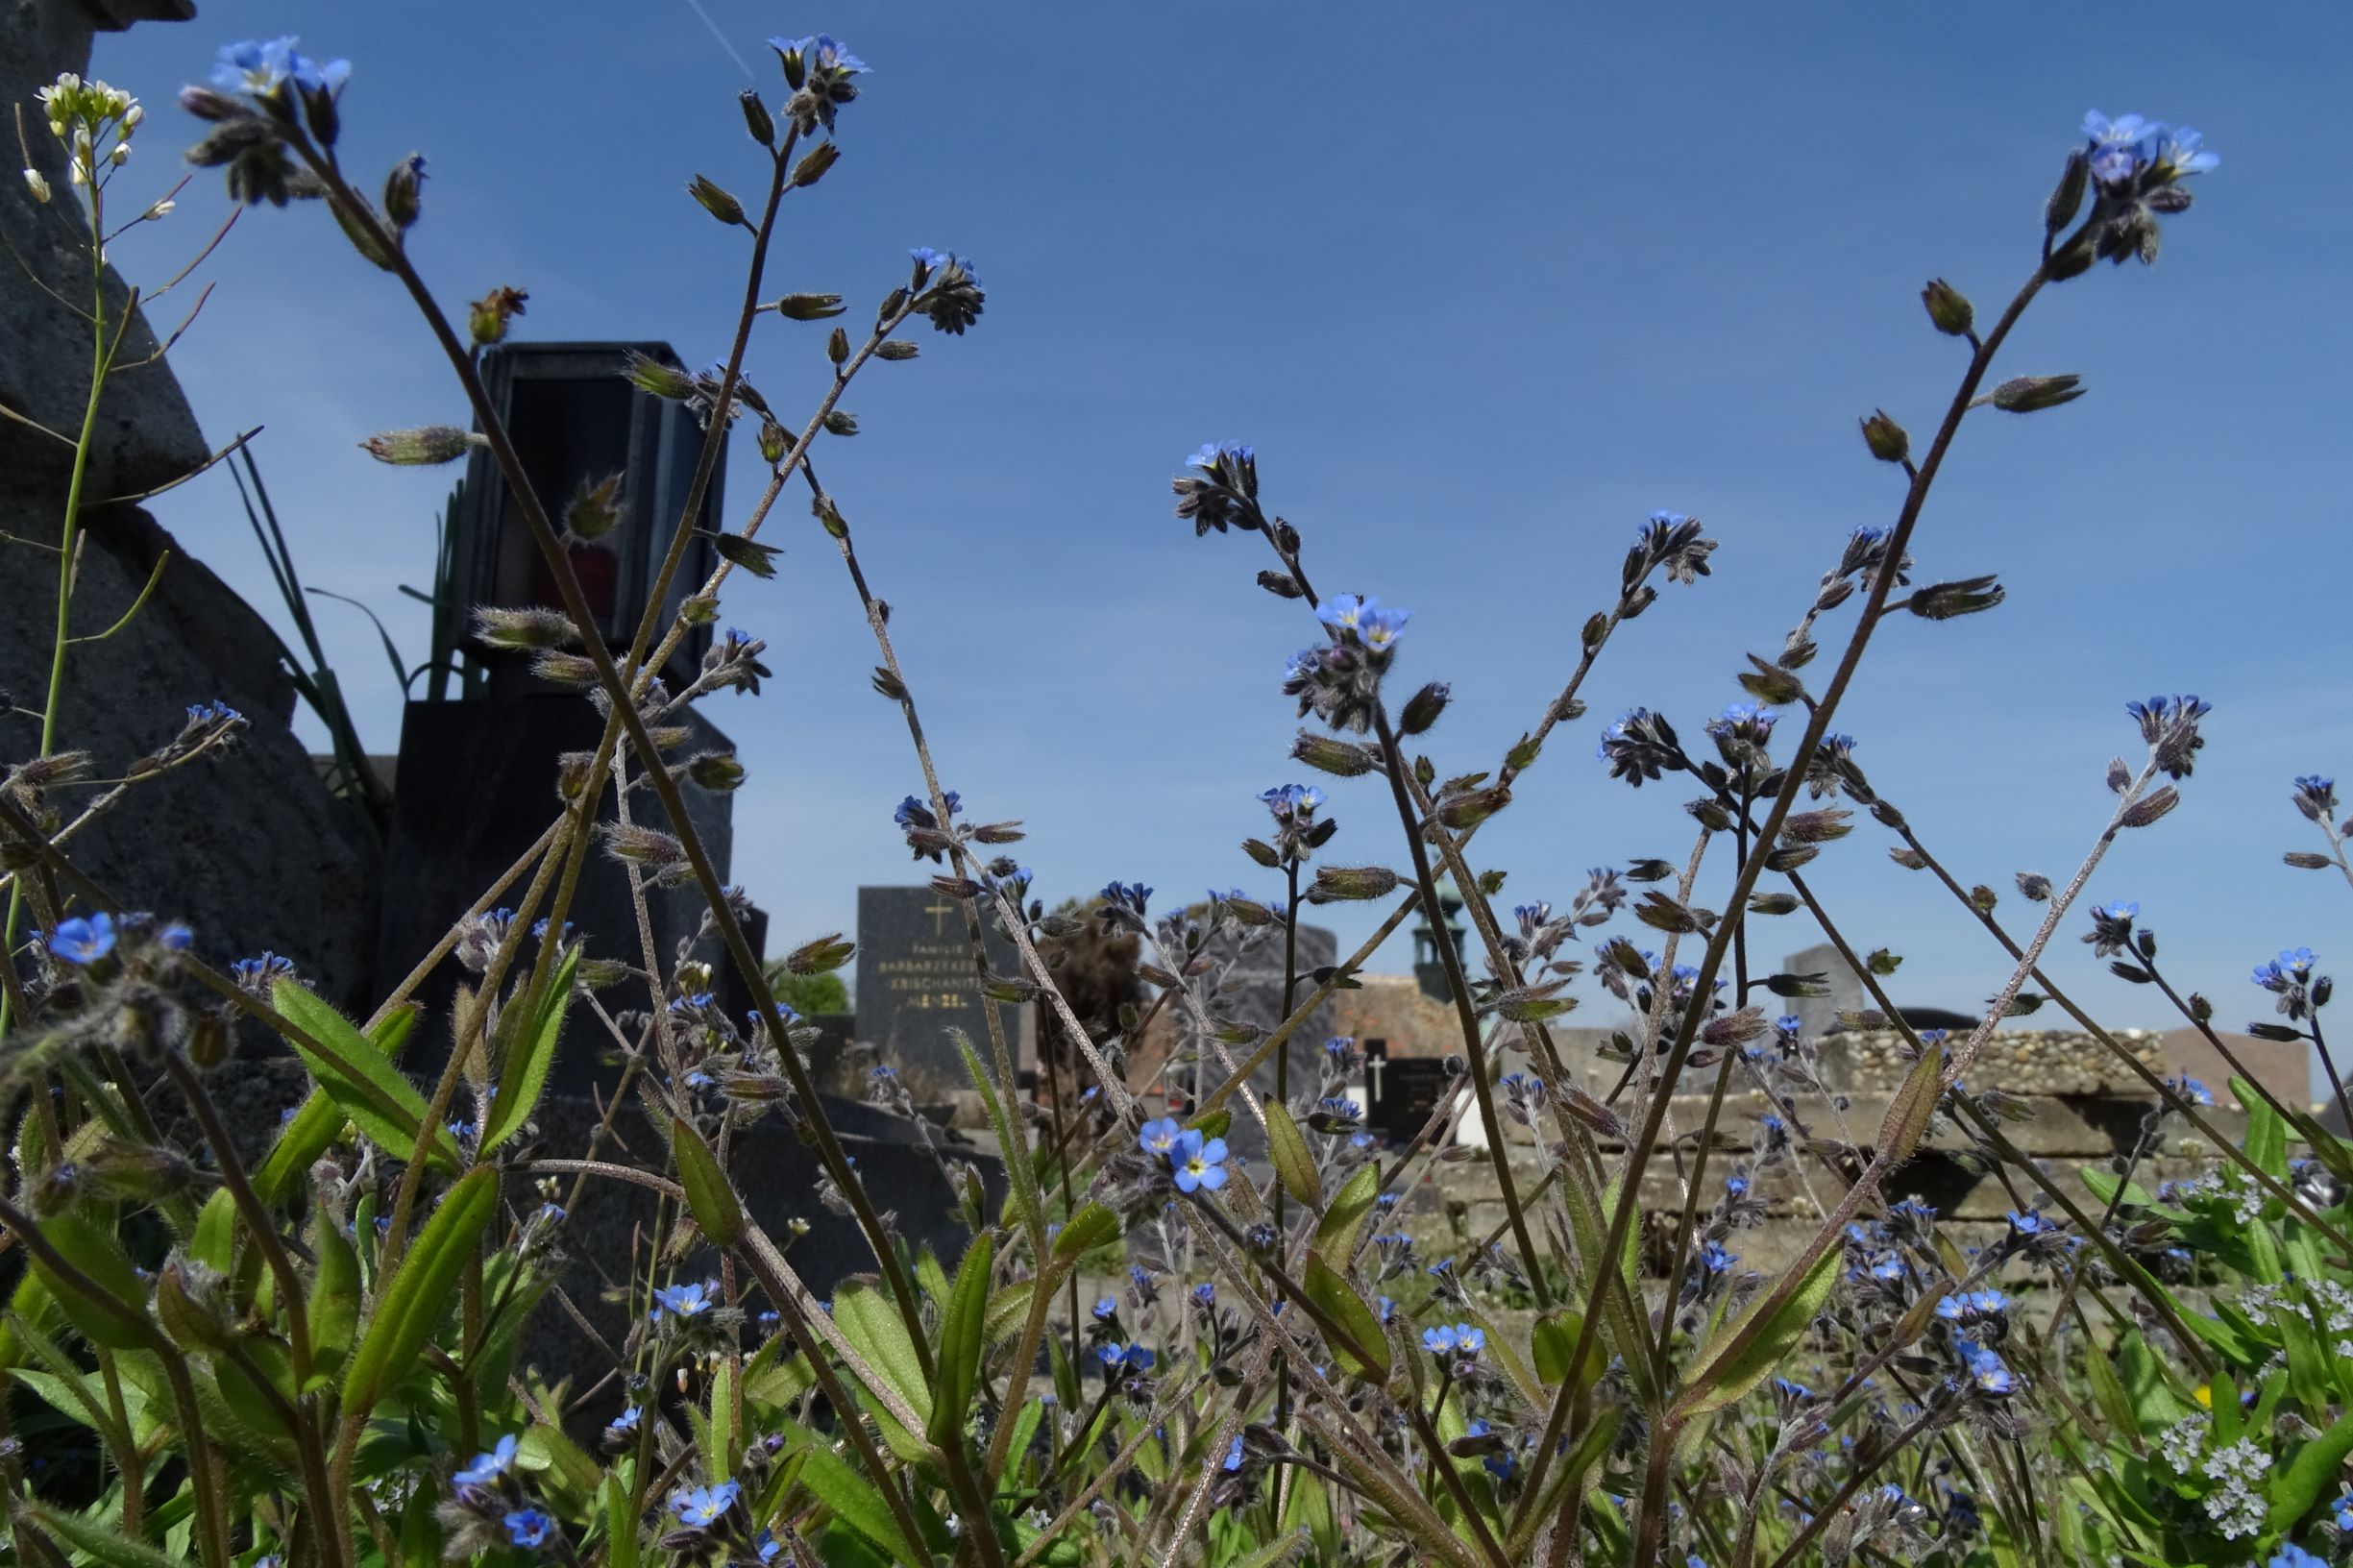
{"points": [[1484, 287]]}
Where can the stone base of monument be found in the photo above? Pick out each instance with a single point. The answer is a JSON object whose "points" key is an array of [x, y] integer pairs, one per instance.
{"points": [[475, 790], [604, 1234]]}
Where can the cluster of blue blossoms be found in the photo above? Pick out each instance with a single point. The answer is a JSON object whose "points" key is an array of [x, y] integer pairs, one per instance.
{"points": [[1195, 1162]]}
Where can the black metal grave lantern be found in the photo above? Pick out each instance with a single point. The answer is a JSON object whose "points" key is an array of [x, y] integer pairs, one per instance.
{"points": [[576, 418], [475, 784]]}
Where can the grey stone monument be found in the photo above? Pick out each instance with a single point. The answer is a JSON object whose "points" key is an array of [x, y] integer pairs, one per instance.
{"points": [[916, 983], [251, 848], [1819, 1014], [1253, 994]]}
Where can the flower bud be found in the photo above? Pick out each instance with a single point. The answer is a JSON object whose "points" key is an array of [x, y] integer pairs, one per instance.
{"points": [[837, 347], [716, 770], [35, 182], [750, 555], [1337, 883], [207, 1044], [209, 106], [1952, 313], [715, 200], [700, 610], [654, 377], [487, 318], [401, 196], [524, 626], [808, 307], [2031, 394], [1423, 708], [1330, 755], [1944, 600], [812, 168], [2150, 808], [1464, 812], [756, 119], [320, 110], [595, 508], [1886, 438], [605, 974], [2067, 198], [189, 1305], [425, 445], [897, 348], [359, 224], [560, 669], [837, 423]]}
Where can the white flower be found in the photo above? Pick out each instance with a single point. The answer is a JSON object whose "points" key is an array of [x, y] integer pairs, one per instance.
{"points": [[2184, 1441], [37, 184], [162, 208]]}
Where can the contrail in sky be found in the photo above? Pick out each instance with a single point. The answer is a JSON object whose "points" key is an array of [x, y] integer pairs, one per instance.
{"points": [[720, 36]]}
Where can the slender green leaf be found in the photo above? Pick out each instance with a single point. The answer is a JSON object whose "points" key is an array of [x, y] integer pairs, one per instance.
{"points": [[1024, 1429], [709, 1194], [525, 1075], [1291, 1543], [2105, 1184], [1742, 1353], [875, 1330], [358, 1077], [103, 1542], [837, 1483], [215, 1244], [2143, 1376], [931, 1278], [1022, 1196], [1093, 1226], [1570, 1471], [1330, 1290], [545, 1450], [66, 1387], [2313, 1471], [1555, 1341], [962, 1341], [102, 1260], [619, 1523], [710, 1441], [318, 1121], [1009, 1311], [414, 1299], [1914, 1106], [1336, 1234], [1288, 1151], [1213, 1123], [335, 1291], [2267, 1136]]}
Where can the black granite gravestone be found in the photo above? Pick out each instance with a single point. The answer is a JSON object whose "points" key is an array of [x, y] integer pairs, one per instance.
{"points": [[917, 982], [1402, 1091]]}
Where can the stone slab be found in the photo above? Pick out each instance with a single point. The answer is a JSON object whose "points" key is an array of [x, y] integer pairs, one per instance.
{"points": [[917, 987]]}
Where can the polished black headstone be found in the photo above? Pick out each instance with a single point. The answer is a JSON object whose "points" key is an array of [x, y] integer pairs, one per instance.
{"points": [[1403, 1090], [916, 983]]}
